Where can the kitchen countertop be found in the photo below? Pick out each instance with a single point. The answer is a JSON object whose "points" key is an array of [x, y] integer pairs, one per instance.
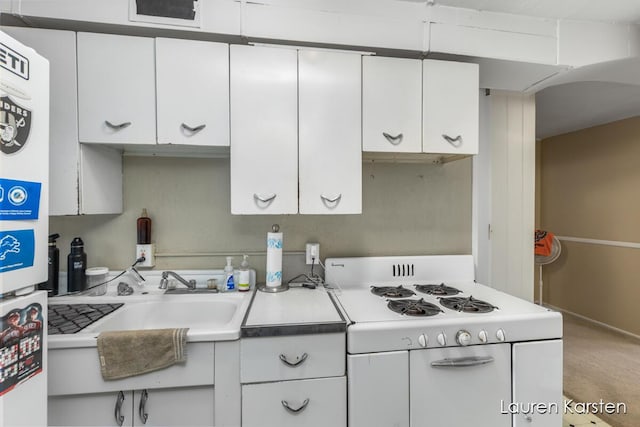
{"points": [[296, 311]]}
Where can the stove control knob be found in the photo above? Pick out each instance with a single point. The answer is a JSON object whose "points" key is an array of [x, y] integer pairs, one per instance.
{"points": [[442, 339], [482, 336], [463, 337], [423, 340], [500, 335]]}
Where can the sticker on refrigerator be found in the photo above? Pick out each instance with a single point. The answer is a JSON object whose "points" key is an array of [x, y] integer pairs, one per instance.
{"points": [[21, 335], [13, 61], [19, 200], [15, 125], [16, 249]]}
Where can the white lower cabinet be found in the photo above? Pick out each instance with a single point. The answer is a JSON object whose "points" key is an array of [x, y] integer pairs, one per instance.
{"points": [[192, 406], [303, 403], [294, 380], [537, 378]]}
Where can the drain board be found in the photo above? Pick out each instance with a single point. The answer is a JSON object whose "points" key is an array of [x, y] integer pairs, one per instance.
{"points": [[72, 318]]}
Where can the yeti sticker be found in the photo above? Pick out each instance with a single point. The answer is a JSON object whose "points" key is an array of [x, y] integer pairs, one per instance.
{"points": [[16, 249], [15, 124]]}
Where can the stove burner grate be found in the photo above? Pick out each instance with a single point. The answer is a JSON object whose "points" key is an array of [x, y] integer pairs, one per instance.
{"points": [[467, 305], [413, 307], [440, 289], [392, 291]]}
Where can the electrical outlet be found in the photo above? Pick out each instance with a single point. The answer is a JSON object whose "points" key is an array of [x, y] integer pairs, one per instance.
{"points": [[148, 252], [313, 252]]}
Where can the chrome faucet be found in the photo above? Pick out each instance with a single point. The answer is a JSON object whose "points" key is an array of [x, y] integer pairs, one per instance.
{"points": [[191, 284]]}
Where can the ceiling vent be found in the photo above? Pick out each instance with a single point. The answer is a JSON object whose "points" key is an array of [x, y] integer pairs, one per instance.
{"points": [[184, 13]]}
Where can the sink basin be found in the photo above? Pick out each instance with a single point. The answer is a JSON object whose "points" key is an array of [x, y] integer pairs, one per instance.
{"points": [[195, 314]]}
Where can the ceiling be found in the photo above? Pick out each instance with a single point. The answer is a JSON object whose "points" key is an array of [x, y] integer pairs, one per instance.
{"points": [[581, 97], [587, 10]]}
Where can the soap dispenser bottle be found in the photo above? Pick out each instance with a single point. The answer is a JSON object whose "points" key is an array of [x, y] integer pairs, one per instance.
{"points": [[243, 275], [229, 282]]}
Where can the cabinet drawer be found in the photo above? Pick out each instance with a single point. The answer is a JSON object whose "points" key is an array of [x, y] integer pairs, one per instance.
{"points": [[319, 402], [292, 357]]}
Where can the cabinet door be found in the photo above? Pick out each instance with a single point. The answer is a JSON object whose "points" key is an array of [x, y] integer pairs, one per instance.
{"points": [[305, 403], [330, 143], [264, 130], [391, 104], [450, 107], [99, 409], [116, 89], [185, 406], [537, 377], [192, 81]]}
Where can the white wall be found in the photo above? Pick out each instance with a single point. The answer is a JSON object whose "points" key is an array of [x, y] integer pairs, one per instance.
{"points": [[408, 209]]}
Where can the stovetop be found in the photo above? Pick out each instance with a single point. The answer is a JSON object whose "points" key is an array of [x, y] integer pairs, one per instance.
{"points": [[397, 303]]}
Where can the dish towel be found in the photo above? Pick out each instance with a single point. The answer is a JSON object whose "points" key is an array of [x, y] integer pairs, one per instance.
{"points": [[543, 242], [127, 353]]}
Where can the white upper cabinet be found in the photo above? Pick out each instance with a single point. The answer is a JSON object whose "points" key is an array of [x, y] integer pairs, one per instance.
{"points": [[192, 80], [264, 130], [116, 89], [391, 104], [330, 144], [450, 107], [83, 179]]}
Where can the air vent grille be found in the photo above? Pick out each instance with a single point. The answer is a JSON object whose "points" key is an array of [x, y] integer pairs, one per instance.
{"points": [[403, 270]]}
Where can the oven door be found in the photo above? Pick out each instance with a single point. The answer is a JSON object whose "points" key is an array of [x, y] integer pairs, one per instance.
{"points": [[460, 386]]}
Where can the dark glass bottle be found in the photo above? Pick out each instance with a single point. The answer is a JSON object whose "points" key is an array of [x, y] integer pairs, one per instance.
{"points": [[54, 265], [76, 266], [144, 228]]}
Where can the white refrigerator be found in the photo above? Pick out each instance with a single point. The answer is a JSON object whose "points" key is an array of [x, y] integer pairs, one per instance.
{"points": [[24, 229]]}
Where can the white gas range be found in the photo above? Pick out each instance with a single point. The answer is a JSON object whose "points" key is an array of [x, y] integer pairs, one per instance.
{"points": [[429, 347]]}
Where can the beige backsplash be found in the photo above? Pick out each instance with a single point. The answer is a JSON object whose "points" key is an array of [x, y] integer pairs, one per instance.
{"points": [[409, 209]]}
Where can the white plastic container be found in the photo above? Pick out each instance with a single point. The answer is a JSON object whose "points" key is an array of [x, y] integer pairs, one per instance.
{"points": [[96, 280]]}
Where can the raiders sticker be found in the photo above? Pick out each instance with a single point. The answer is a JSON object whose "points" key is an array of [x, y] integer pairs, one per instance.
{"points": [[15, 124]]}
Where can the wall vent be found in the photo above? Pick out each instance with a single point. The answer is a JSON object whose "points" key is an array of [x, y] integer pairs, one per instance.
{"points": [[403, 270]]}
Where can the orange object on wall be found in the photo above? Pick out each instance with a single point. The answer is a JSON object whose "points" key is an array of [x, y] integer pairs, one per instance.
{"points": [[543, 242]]}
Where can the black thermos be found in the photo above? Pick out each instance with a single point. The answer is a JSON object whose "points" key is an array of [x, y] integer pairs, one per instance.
{"points": [[76, 266], [54, 266]]}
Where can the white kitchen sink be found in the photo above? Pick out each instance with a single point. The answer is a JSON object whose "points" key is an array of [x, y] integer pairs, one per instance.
{"points": [[211, 313], [209, 316]]}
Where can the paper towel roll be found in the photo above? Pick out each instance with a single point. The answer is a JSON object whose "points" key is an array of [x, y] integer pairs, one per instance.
{"points": [[274, 260]]}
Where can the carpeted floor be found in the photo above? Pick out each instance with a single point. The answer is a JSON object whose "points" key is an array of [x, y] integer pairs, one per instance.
{"points": [[600, 364]]}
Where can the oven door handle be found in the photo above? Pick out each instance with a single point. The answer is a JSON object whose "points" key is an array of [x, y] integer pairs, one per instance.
{"points": [[462, 362]]}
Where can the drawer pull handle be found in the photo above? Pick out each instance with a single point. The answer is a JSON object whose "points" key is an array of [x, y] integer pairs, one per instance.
{"points": [[295, 411], [393, 140], [298, 361], [193, 130], [117, 127], [142, 409], [462, 362], [118, 409], [456, 142]]}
